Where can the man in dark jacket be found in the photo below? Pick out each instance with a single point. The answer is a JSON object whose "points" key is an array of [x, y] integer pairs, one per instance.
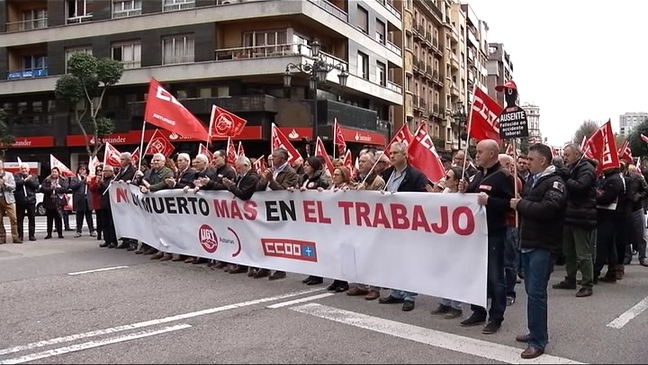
{"points": [[108, 225], [610, 208], [541, 233], [580, 220], [639, 193], [26, 186], [401, 176], [495, 186], [126, 174]]}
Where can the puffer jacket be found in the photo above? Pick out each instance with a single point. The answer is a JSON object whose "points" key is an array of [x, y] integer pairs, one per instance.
{"points": [[580, 182]]}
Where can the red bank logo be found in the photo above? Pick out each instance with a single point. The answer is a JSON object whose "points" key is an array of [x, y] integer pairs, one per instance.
{"points": [[208, 239], [289, 249]]}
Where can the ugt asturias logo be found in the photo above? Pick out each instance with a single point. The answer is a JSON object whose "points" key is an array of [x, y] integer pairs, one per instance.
{"points": [[289, 249], [208, 239]]}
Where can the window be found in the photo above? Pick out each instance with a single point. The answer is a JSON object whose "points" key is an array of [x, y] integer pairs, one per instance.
{"points": [[363, 65], [171, 5], [380, 31], [70, 51], [79, 11], [381, 74], [362, 19], [408, 83], [178, 49], [129, 54], [265, 38], [34, 19], [34, 62], [408, 41], [124, 8]]}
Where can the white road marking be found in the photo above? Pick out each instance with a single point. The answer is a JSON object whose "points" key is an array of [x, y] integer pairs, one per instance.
{"points": [[448, 341], [153, 322], [91, 344], [629, 315], [300, 300], [97, 270]]}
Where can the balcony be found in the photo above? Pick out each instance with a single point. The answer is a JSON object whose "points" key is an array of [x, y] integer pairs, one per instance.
{"points": [[417, 31], [428, 38], [394, 48], [393, 87], [26, 25], [279, 50], [415, 63], [24, 15], [422, 105], [436, 79], [332, 9], [27, 73], [79, 19], [454, 89], [454, 61]]}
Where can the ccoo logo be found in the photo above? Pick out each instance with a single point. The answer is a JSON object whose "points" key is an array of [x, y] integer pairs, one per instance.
{"points": [[207, 238]]}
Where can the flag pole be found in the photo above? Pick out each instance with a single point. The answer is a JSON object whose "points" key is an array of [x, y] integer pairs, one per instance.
{"points": [[139, 160], [334, 137], [463, 169]]}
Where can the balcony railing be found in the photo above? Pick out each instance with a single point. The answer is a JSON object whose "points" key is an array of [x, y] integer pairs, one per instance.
{"points": [[392, 47], [422, 103], [279, 50], [126, 13], [393, 87], [176, 59], [337, 12], [26, 25], [27, 73], [415, 62], [79, 19], [179, 6]]}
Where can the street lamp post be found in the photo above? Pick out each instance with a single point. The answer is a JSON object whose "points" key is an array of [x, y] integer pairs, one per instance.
{"points": [[459, 115], [317, 71]]}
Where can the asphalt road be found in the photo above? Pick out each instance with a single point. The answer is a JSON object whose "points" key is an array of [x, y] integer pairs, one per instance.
{"points": [[57, 308]]}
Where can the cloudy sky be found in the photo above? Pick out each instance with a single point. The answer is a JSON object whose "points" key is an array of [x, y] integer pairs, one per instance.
{"points": [[598, 49]]}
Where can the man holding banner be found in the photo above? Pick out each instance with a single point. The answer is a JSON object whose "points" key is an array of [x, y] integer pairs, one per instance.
{"points": [[494, 183]]}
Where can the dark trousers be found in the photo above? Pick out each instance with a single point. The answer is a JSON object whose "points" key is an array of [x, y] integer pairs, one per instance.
{"points": [[87, 214], [108, 226], [99, 217], [65, 214], [511, 260], [496, 280], [606, 239], [54, 217], [31, 218]]}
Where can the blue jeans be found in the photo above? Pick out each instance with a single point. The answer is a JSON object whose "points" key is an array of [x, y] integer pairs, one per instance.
{"points": [[511, 260], [496, 280], [454, 304], [405, 295], [537, 265]]}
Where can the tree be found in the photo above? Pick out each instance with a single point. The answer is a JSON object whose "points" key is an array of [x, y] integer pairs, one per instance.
{"points": [[6, 138], [637, 145], [86, 83], [524, 146], [586, 129]]}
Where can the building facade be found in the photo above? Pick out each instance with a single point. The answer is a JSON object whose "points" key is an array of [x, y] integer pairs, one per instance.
{"points": [[476, 51], [533, 119], [630, 120], [231, 53], [500, 70]]}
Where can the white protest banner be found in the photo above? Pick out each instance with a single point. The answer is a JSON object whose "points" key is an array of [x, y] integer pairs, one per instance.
{"points": [[433, 244]]}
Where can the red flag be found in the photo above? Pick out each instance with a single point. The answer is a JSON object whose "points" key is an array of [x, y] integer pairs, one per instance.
{"points": [[231, 153], [65, 171], [240, 150], [403, 135], [625, 153], [135, 156], [159, 144], [321, 151], [339, 141], [260, 165], [202, 149], [644, 138], [279, 140], [601, 147], [163, 110], [223, 124], [483, 117], [111, 156], [423, 156], [348, 161], [92, 166]]}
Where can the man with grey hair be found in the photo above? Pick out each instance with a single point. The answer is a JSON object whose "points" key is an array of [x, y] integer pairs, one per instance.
{"points": [[580, 220], [247, 182], [8, 205], [126, 174], [26, 187], [402, 177], [152, 180]]}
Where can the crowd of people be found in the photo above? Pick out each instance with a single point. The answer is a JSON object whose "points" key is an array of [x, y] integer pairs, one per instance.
{"points": [[541, 211]]}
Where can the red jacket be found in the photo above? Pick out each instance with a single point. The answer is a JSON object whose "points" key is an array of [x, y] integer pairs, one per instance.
{"points": [[94, 197]]}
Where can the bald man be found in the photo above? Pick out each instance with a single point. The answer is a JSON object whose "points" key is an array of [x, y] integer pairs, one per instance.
{"points": [[494, 184]]}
